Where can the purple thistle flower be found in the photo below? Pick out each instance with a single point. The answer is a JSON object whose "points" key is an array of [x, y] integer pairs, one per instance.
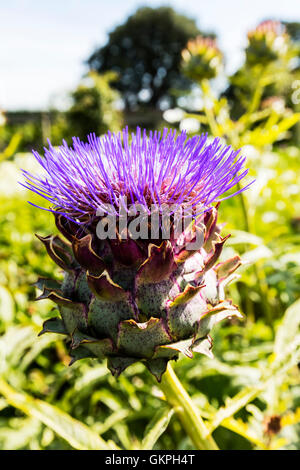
{"points": [[158, 169], [127, 297]]}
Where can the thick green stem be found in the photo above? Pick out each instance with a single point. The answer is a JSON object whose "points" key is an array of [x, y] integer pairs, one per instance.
{"points": [[187, 412], [208, 110]]}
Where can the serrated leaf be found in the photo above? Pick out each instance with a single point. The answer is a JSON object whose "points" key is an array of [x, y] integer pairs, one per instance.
{"points": [[111, 421], [13, 345], [257, 254], [19, 436], [157, 427], [77, 434], [290, 418], [240, 236], [287, 331], [233, 405], [243, 429], [241, 399], [7, 307]]}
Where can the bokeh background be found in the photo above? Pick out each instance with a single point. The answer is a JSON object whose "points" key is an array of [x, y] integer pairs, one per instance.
{"points": [[231, 69]]}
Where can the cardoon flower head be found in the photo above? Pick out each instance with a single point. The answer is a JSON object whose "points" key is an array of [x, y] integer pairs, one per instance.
{"points": [[131, 293], [201, 59], [159, 170], [268, 42]]}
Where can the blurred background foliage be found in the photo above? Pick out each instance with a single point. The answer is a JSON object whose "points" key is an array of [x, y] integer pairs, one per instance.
{"points": [[249, 393]]}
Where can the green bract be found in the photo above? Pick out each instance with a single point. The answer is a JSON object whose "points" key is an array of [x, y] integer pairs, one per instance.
{"points": [[201, 59], [134, 300]]}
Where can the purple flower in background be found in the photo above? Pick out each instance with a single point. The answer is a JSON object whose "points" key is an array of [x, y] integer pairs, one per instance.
{"points": [[159, 168]]}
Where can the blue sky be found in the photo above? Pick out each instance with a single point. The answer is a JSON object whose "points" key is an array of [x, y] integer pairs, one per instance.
{"points": [[43, 43]]}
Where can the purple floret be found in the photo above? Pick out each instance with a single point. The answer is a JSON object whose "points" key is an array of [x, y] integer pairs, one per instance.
{"points": [[158, 168]]}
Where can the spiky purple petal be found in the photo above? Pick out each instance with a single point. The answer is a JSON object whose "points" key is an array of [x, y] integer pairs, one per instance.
{"points": [[159, 168]]}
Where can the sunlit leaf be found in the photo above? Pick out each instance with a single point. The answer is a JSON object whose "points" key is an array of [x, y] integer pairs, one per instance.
{"points": [[243, 429], [77, 434], [157, 427], [287, 331], [7, 307]]}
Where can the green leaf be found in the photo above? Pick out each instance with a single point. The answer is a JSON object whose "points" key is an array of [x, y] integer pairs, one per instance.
{"points": [[265, 136], [240, 236], [233, 405], [77, 434], [20, 433], [241, 399], [157, 427], [13, 345], [111, 421], [288, 331], [243, 429], [257, 254], [7, 307]]}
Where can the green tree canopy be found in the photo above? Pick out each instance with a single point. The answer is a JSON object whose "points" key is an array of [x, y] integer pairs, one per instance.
{"points": [[93, 109], [293, 28], [93, 106], [145, 51]]}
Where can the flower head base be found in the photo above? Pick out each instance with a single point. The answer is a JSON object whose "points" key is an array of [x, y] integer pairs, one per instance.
{"points": [[133, 299], [267, 42], [201, 59]]}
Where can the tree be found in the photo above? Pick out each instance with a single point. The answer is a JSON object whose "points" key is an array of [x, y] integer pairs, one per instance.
{"points": [[93, 109], [293, 28], [145, 52]]}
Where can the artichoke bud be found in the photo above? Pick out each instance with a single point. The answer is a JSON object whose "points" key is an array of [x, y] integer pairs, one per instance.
{"points": [[201, 59], [267, 43]]}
